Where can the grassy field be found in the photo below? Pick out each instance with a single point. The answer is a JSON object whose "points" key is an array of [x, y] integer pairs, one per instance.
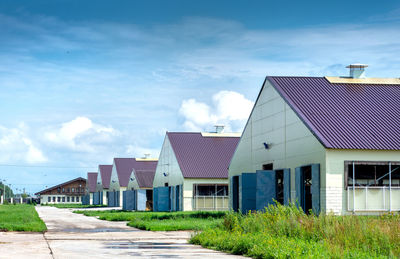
{"points": [[286, 232], [73, 206], [162, 221], [21, 217]]}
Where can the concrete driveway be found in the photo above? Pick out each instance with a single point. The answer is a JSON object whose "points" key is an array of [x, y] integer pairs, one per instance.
{"points": [[73, 235]]}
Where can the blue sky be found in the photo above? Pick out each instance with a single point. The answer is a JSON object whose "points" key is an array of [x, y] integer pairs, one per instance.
{"points": [[82, 82]]}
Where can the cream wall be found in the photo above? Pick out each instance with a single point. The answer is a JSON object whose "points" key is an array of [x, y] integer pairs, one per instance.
{"points": [[44, 199], [335, 158], [167, 163], [291, 143], [133, 185], [114, 181], [188, 189]]}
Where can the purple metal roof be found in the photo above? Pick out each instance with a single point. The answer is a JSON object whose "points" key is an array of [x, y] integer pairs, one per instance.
{"points": [[145, 178], [345, 116], [124, 167], [202, 157], [105, 173], [92, 181]]}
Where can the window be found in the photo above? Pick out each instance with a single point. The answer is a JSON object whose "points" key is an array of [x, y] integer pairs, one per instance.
{"points": [[63, 199], [371, 174], [166, 184], [210, 196], [63, 189], [77, 199], [210, 190], [268, 167], [58, 199], [49, 199], [54, 199], [68, 199], [73, 199], [58, 190], [68, 190], [72, 189]]}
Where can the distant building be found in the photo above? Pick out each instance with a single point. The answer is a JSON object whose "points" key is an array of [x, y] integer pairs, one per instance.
{"points": [[192, 171], [68, 192], [121, 171], [139, 193], [102, 185], [91, 183], [332, 144]]}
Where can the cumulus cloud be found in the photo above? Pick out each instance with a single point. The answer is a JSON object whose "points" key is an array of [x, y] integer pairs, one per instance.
{"points": [[228, 107], [81, 134], [17, 147]]}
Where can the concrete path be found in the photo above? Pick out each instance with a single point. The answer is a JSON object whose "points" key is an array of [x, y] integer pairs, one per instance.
{"points": [[73, 235]]}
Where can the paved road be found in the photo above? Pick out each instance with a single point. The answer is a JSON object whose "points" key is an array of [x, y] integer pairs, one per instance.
{"points": [[73, 235]]}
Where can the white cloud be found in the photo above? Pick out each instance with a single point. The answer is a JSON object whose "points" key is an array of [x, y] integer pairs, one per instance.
{"points": [[229, 108], [17, 147], [81, 134]]}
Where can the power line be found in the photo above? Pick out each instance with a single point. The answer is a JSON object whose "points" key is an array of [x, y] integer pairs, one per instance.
{"points": [[49, 166]]}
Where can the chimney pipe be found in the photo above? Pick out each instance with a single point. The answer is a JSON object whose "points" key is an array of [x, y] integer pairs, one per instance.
{"points": [[219, 128], [357, 70]]}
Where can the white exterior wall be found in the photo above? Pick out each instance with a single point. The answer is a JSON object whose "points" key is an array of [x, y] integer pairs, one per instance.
{"points": [[167, 163], [291, 143], [188, 189], [336, 194], [133, 184], [44, 199], [114, 181], [99, 183]]}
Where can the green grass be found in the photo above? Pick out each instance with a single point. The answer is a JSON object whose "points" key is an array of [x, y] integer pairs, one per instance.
{"points": [[73, 206], [162, 221], [286, 232], [21, 217]]}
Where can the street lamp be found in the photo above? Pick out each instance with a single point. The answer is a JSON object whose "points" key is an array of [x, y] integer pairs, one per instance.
{"points": [[4, 190]]}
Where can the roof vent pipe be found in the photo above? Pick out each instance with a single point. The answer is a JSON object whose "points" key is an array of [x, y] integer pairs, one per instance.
{"points": [[357, 70], [219, 128]]}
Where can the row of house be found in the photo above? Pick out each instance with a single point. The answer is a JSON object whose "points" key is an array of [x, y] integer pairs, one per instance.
{"points": [[190, 174], [328, 144]]}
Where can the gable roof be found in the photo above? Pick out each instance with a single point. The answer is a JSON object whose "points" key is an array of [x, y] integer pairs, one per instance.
{"points": [[145, 178], [345, 115], [203, 157], [124, 167], [92, 181], [61, 184], [105, 174]]}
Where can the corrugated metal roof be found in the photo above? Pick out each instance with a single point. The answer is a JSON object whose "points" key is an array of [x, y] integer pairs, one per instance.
{"points": [[105, 173], [92, 181], [125, 166], [345, 116], [145, 178], [202, 157]]}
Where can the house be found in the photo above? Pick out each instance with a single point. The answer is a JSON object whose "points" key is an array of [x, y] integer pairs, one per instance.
{"points": [[91, 183], [68, 192], [102, 185], [331, 144], [121, 172], [192, 171], [139, 193]]}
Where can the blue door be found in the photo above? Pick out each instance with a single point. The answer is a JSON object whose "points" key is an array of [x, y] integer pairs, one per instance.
{"points": [[265, 188], [286, 186], [315, 188], [163, 199], [155, 199], [248, 191]]}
